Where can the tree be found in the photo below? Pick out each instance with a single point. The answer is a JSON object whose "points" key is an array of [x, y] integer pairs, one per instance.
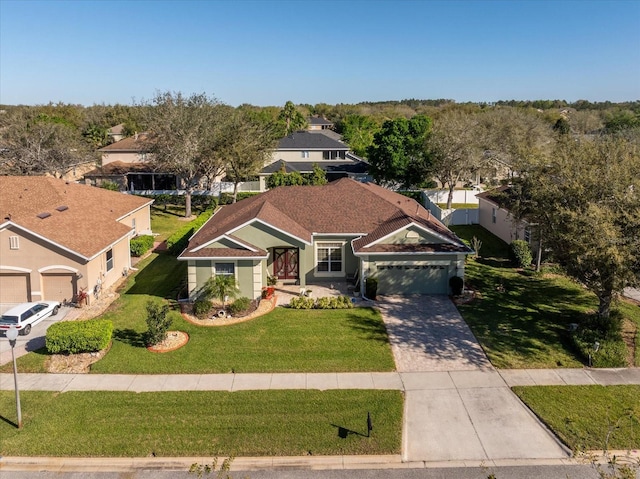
{"points": [[452, 149], [586, 205], [36, 144], [158, 322], [185, 138], [397, 155], [291, 119], [282, 178], [246, 144], [358, 131], [220, 286]]}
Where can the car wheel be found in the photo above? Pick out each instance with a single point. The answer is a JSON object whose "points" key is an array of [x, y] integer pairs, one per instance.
{"points": [[55, 311], [26, 330]]}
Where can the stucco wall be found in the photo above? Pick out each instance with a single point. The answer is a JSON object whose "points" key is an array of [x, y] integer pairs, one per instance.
{"points": [[124, 157], [142, 221], [504, 226]]}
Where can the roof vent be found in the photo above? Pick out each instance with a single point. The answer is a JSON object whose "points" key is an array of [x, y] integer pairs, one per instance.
{"points": [[44, 215], [8, 217], [62, 208]]}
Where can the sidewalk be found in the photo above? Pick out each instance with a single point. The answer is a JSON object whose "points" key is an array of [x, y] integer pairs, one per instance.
{"points": [[409, 381]]}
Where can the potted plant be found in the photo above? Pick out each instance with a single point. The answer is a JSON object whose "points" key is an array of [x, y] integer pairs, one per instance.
{"points": [[457, 284]]}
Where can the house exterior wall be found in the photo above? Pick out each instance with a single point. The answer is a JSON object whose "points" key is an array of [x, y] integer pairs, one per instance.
{"points": [[412, 235], [142, 219], [504, 226], [124, 157], [248, 275], [297, 156]]}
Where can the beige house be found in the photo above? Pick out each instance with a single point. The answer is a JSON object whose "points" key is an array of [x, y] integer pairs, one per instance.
{"points": [[494, 216], [58, 238]]}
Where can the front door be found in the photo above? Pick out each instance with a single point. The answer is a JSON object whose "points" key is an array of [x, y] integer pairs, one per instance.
{"points": [[285, 263]]}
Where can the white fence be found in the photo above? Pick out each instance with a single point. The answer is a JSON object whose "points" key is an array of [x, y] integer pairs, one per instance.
{"points": [[450, 217], [459, 196], [216, 189]]}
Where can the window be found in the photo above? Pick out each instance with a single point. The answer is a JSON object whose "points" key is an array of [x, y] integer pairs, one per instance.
{"points": [[527, 234], [14, 242], [494, 215], [109, 260], [133, 225], [225, 269], [305, 154], [329, 258]]}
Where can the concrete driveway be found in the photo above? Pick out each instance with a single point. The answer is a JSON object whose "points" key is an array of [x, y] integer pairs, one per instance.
{"points": [[35, 339], [457, 406]]}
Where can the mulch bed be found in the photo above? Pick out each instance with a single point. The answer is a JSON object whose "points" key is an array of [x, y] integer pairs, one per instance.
{"points": [[264, 306]]}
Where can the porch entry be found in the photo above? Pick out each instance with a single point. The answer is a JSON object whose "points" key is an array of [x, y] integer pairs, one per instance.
{"points": [[285, 263]]}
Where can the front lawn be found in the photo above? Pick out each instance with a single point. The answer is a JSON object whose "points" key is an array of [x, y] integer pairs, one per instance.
{"points": [[282, 341], [199, 423], [521, 318], [584, 416]]}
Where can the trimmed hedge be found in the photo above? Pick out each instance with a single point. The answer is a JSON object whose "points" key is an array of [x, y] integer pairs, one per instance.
{"points": [[179, 240], [239, 305], [328, 302], [72, 337], [141, 244], [520, 253], [227, 198]]}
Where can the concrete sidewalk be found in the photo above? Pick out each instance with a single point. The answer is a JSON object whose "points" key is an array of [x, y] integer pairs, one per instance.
{"points": [[409, 381]]}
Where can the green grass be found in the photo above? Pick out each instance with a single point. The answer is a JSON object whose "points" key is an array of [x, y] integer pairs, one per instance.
{"points": [[199, 423], [282, 341], [458, 206], [165, 223], [583, 416]]}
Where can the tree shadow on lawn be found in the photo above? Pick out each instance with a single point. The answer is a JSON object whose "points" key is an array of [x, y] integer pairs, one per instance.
{"points": [[130, 337], [160, 277], [523, 315], [371, 327]]}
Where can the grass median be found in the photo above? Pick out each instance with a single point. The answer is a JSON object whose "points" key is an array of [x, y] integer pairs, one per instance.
{"points": [[588, 417], [199, 423]]}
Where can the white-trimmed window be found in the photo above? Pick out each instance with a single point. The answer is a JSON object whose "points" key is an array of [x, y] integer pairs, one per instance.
{"points": [[225, 269], [133, 225], [527, 234], [109, 260], [329, 259], [14, 242], [494, 215], [304, 154]]}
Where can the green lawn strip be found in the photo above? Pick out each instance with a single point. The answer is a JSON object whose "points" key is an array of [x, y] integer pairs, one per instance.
{"points": [[165, 222], [492, 246], [583, 416], [458, 206], [282, 341], [200, 423], [631, 311]]}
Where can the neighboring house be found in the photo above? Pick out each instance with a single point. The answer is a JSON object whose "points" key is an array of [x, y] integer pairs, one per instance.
{"points": [[319, 123], [300, 150], [57, 237], [116, 133], [313, 234], [495, 216], [126, 163]]}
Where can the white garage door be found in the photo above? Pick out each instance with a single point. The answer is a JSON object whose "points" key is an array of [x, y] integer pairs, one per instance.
{"points": [[14, 288], [413, 279], [58, 287]]}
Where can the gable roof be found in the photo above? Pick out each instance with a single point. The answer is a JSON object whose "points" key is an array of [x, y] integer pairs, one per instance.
{"points": [[82, 219], [330, 166], [343, 207], [134, 143], [310, 140], [319, 121], [501, 197]]}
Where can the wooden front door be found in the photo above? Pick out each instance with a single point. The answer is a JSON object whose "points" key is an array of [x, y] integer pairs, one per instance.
{"points": [[285, 263]]}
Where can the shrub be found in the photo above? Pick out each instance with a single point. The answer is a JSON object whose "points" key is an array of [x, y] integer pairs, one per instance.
{"points": [[520, 253], [158, 322], [141, 244], [612, 351], [220, 286], [179, 240], [110, 185], [202, 308], [456, 283], [72, 337], [227, 198], [371, 288], [240, 305], [301, 302]]}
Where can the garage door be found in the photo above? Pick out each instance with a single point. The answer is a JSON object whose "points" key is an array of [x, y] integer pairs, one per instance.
{"points": [[58, 287], [413, 279], [14, 288]]}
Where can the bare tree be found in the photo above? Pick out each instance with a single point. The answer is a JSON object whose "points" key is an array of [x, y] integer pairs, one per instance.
{"points": [[452, 148], [184, 137]]}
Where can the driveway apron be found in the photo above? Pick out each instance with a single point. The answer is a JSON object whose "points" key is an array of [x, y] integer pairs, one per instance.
{"points": [[457, 407]]}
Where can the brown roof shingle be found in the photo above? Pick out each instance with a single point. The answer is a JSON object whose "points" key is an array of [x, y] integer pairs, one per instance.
{"points": [[342, 207], [88, 224]]}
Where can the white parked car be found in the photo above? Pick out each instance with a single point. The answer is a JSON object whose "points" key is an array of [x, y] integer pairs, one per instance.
{"points": [[26, 315]]}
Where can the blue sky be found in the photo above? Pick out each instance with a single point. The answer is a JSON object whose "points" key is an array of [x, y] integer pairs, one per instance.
{"points": [[268, 52]]}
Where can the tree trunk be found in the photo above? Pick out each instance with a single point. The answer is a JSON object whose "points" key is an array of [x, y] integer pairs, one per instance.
{"points": [[235, 192], [539, 259], [452, 185], [187, 203], [604, 308]]}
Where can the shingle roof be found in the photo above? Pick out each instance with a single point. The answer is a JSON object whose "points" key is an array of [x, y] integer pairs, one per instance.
{"points": [[88, 224], [330, 166], [342, 207], [309, 140], [319, 121], [133, 143], [118, 168], [499, 196]]}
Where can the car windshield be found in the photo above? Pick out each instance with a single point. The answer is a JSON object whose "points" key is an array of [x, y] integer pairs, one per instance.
{"points": [[9, 319]]}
